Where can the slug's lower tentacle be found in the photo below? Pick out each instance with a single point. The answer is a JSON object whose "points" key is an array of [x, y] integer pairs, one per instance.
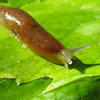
{"points": [[66, 64], [67, 59]]}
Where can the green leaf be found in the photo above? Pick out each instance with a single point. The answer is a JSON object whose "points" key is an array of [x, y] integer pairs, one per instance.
{"points": [[19, 3], [82, 89], [87, 88], [74, 23], [5, 1], [9, 90]]}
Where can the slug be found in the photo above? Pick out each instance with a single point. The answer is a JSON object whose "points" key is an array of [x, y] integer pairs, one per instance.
{"points": [[35, 37]]}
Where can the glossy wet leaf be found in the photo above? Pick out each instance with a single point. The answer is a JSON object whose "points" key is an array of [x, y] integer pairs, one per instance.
{"points": [[74, 23]]}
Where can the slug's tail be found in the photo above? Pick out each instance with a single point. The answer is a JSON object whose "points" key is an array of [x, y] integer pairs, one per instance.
{"points": [[68, 54]]}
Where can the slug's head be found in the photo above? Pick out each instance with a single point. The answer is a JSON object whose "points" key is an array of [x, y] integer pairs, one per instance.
{"points": [[66, 54]]}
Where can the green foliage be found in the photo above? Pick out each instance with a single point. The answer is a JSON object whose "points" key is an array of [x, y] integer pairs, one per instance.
{"points": [[74, 23], [82, 89], [19, 3], [5, 1], [9, 90]]}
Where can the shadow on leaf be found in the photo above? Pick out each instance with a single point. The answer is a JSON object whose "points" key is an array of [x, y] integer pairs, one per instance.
{"points": [[77, 63]]}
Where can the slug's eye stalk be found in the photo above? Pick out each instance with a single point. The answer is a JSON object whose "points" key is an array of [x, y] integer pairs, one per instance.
{"points": [[80, 48], [68, 54]]}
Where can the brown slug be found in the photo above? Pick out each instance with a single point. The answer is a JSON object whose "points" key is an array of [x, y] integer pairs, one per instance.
{"points": [[35, 37]]}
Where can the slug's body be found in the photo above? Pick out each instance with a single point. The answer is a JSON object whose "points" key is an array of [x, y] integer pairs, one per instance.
{"points": [[34, 36]]}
